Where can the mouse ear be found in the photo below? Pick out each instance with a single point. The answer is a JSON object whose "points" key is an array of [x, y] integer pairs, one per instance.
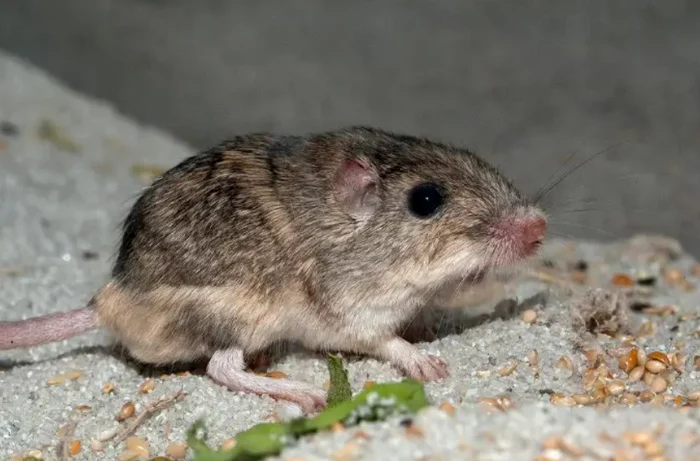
{"points": [[357, 188]]}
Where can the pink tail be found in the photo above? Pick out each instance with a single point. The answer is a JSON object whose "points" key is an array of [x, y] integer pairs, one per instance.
{"points": [[45, 329]]}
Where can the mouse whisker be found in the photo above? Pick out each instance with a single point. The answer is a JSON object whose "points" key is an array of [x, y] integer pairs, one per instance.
{"points": [[575, 168]]}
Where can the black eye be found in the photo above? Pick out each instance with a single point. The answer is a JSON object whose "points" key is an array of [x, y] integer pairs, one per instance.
{"points": [[425, 200]]}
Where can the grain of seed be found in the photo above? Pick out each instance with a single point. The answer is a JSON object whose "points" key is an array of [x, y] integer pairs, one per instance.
{"points": [[529, 316], [582, 399], [646, 396], [686, 286], [675, 362], [647, 329], [592, 357], [448, 408], [659, 356], [228, 444], [673, 276], [35, 454], [126, 412], [641, 357], [579, 277], [54, 380], [636, 374], [616, 387], [74, 447], [127, 455], [83, 408], [276, 374], [661, 311], [648, 378], [108, 388], [414, 431], [565, 362], [491, 402], [138, 445], [628, 362], [639, 438], [622, 280], [658, 385], [550, 455], [73, 375], [505, 402], [509, 368], [533, 358], [629, 399], [695, 395], [147, 386], [96, 445], [653, 448], [561, 400], [337, 427], [177, 450], [654, 366]]}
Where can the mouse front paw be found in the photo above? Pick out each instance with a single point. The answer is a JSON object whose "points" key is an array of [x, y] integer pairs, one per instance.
{"points": [[428, 368], [414, 363]]}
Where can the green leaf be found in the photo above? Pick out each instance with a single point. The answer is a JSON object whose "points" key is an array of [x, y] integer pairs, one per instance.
{"points": [[268, 439], [339, 390], [264, 439]]}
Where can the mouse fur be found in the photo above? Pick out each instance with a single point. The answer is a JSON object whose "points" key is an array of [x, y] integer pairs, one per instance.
{"points": [[266, 238]]}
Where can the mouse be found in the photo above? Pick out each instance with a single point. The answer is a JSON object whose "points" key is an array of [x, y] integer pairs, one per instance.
{"points": [[335, 240]]}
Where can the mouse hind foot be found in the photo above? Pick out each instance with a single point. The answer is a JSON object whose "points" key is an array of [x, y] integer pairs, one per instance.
{"points": [[227, 367]]}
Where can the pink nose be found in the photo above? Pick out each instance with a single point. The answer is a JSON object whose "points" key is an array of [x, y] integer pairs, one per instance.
{"points": [[522, 234], [533, 231]]}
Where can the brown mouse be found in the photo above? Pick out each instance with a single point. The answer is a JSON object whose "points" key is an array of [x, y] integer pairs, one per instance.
{"points": [[334, 240]]}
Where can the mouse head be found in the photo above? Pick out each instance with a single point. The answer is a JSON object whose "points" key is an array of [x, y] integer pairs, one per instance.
{"points": [[437, 210]]}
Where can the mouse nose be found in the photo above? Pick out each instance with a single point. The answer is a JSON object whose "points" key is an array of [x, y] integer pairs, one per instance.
{"points": [[533, 231], [522, 234]]}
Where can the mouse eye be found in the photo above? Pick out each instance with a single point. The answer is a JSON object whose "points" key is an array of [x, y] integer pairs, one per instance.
{"points": [[425, 200]]}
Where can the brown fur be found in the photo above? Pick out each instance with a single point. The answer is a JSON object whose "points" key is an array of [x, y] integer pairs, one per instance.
{"points": [[266, 238]]}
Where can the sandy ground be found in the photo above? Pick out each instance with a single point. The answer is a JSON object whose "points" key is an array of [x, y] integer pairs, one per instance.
{"points": [[514, 384]]}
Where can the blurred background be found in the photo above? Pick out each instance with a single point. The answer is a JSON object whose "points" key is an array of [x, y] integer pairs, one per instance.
{"points": [[525, 84]]}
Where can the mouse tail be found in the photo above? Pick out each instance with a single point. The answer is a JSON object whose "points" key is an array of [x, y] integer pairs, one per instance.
{"points": [[46, 329]]}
